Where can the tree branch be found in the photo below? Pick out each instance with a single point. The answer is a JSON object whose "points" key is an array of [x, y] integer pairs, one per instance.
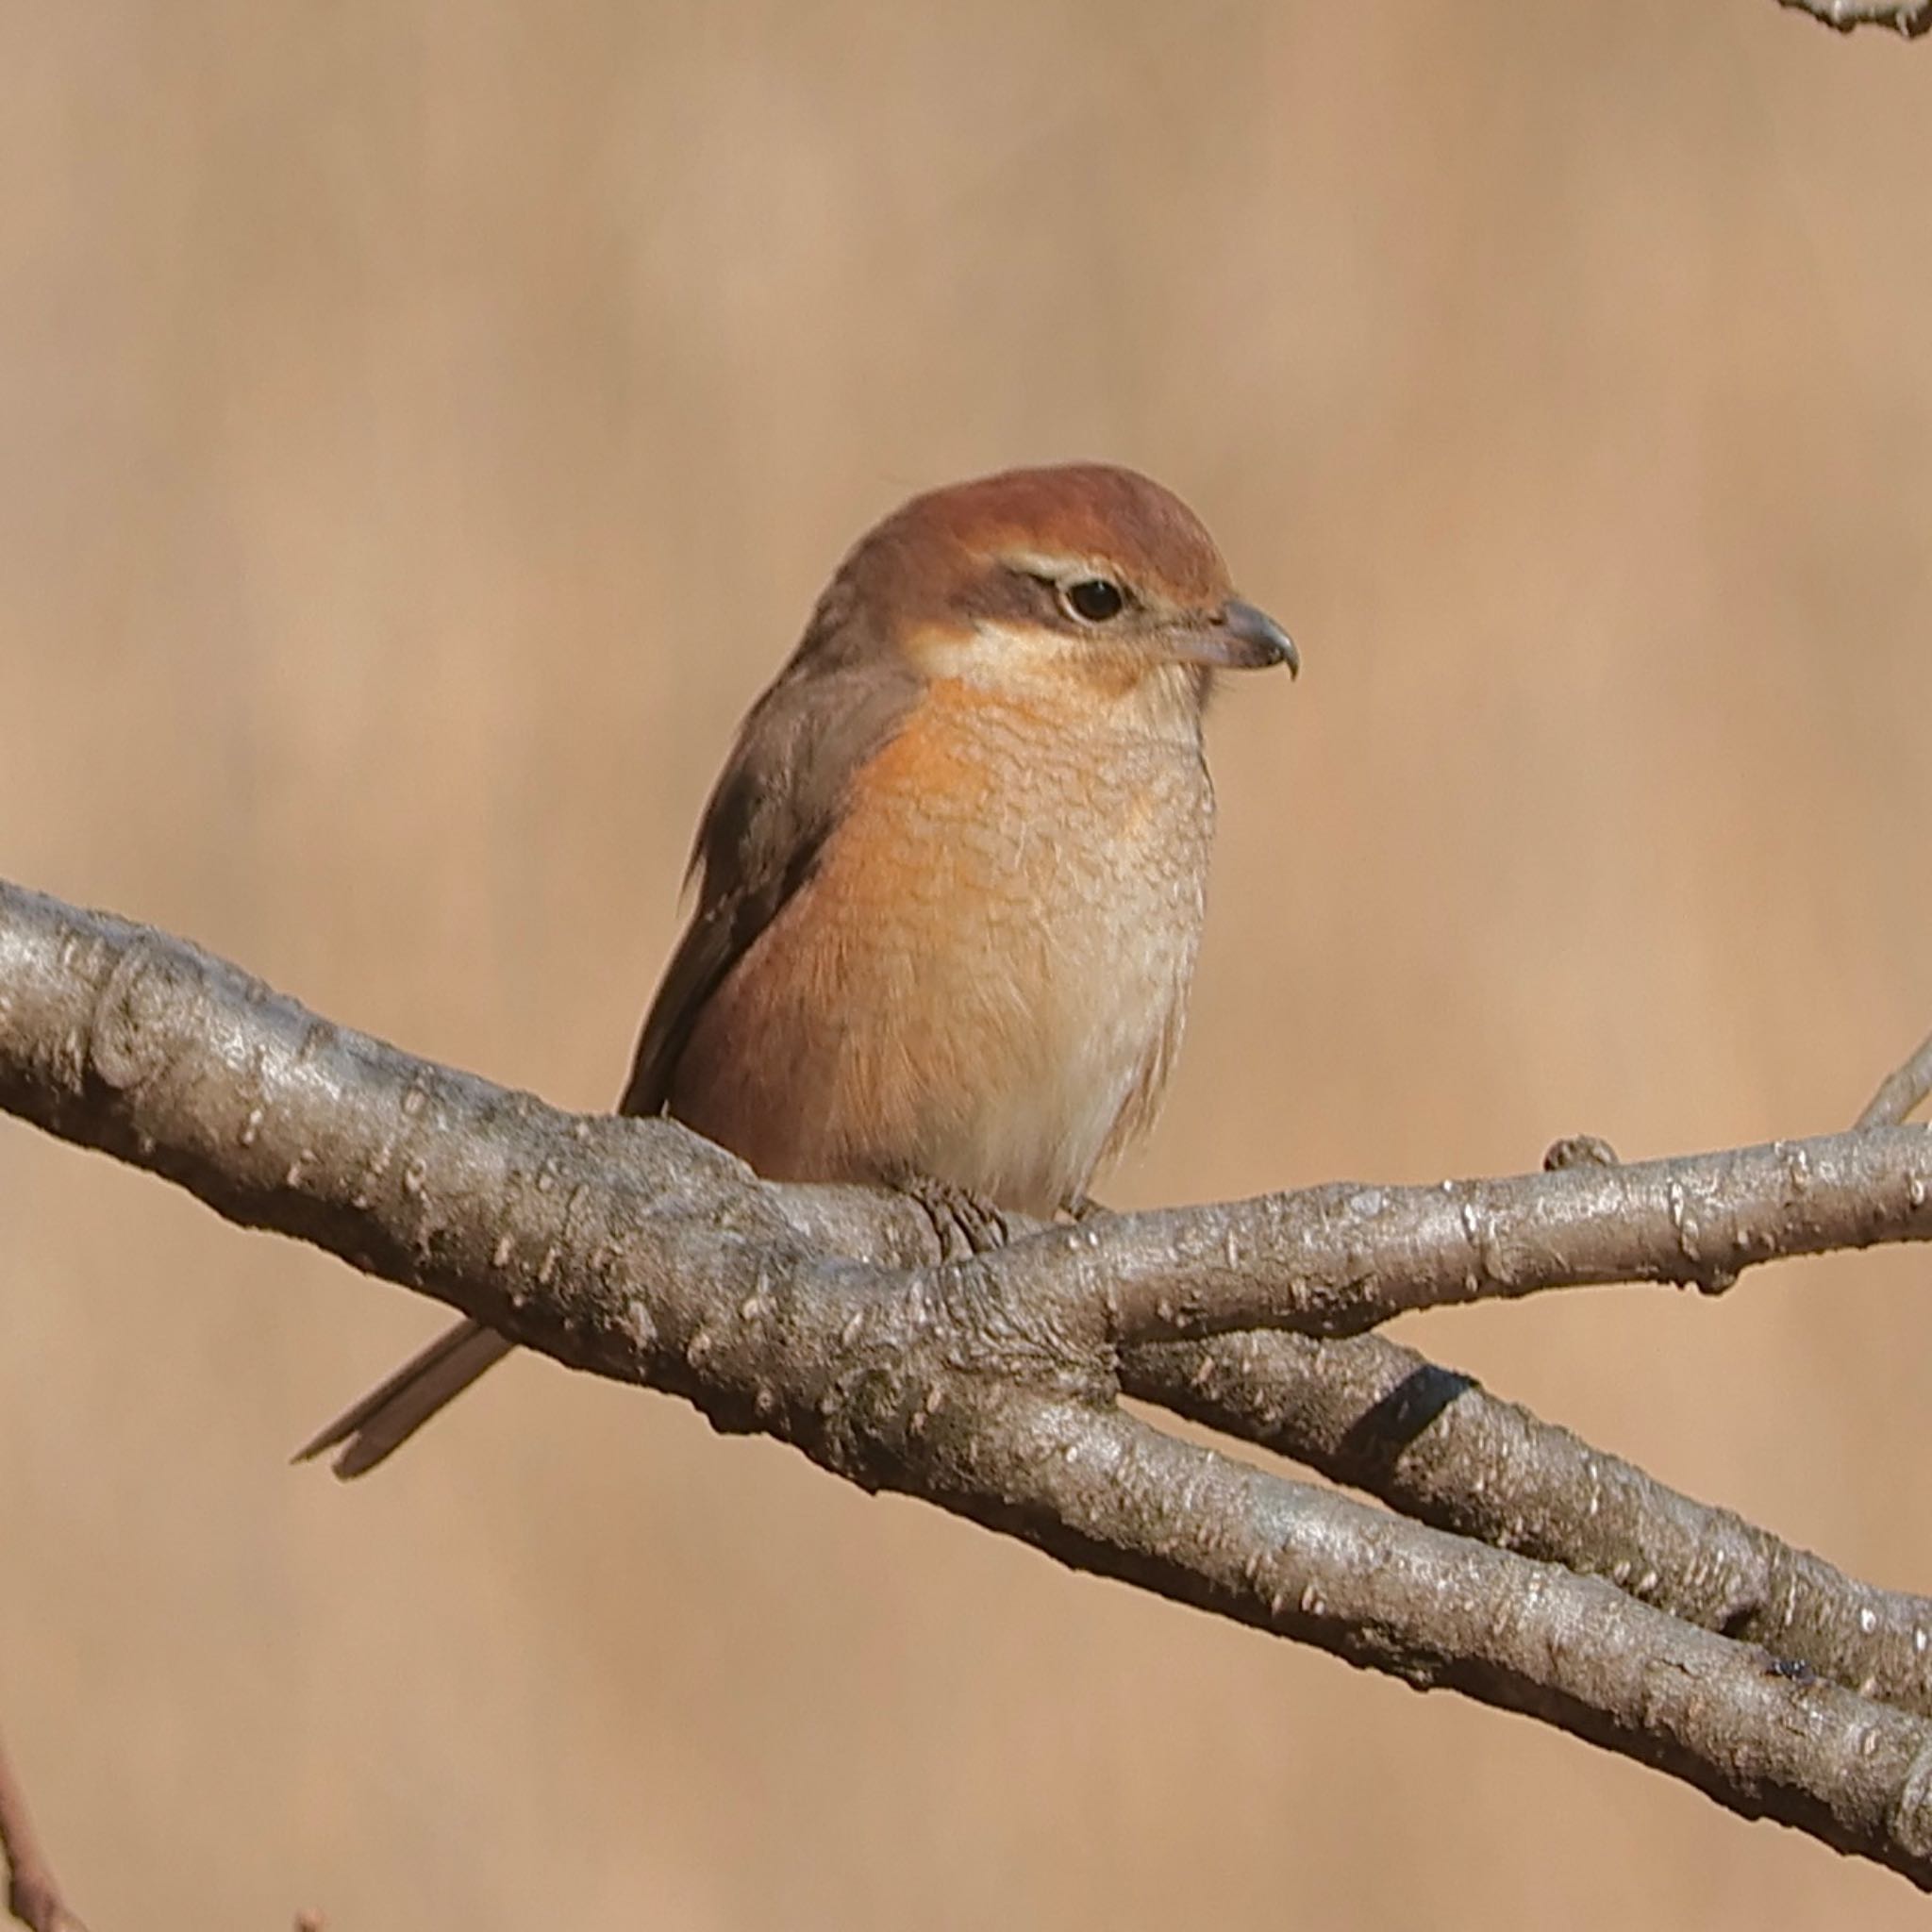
{"points": [[1343, 1259], [1903, 1091], [33, 1894], [1908, 17], [823, 1316], [1432, 1443]]}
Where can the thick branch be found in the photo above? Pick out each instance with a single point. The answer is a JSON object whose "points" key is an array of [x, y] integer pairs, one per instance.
{"points": [[1434, 1444], [1439, 1611], [636, 1250], [216, 1061]]}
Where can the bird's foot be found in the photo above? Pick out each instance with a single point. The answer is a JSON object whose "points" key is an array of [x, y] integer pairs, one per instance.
{"points": [[1083, 1209], [965, 1223]]}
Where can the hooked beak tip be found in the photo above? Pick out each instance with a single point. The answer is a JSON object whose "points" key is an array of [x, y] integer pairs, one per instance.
{"points": [[1257, 639]]}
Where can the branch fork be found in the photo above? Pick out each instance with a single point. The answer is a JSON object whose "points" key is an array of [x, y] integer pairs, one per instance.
{"points": [[1506, 1559]]}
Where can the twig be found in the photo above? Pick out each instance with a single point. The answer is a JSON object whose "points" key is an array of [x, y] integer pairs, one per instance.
{"points": [[1908, 17], [1901, 1091], [33, 1894]]}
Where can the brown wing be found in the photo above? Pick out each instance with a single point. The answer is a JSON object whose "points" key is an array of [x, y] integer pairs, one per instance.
{"points": [[840, 699], [775, 803]]}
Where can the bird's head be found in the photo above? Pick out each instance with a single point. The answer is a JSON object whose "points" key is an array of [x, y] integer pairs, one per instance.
{"points": [[1077, 573]]}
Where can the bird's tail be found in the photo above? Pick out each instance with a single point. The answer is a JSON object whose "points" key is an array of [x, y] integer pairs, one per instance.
{"points": [[390, 1415]]}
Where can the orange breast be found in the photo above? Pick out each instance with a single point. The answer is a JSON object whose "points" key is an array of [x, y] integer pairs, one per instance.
{"points": [[985, 977]]}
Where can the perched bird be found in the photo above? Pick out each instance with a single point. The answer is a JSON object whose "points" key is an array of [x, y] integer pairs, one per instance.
{"points": [[950, 882]]}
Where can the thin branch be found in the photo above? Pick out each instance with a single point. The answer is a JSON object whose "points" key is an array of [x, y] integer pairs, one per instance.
{"points": [[817, 1315], [1345, 1257], [33, 1894], [1903, 1091], [1908, 17]]}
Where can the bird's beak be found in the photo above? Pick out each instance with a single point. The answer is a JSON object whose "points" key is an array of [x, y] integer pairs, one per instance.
{"points": [[1240, 639]]}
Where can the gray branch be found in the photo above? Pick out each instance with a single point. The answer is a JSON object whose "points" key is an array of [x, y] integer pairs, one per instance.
{"points": [[1908, 17], [825, 1317], [1343, 1258], [1435, 1445], [1903, 1091]]}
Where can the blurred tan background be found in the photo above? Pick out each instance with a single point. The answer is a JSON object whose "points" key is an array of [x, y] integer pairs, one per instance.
{"points": [[423, 426]]}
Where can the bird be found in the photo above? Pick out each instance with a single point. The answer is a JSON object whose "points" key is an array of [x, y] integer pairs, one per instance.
{"points": [[950, 883]]}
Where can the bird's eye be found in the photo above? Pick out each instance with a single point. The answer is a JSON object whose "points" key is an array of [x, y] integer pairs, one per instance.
{"points": [[1094, 600]]}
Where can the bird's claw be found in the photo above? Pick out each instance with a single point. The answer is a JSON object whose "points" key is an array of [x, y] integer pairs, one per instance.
{"points": [[965, 1223]]}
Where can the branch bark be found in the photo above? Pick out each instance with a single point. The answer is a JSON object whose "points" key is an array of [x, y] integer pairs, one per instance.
{"points": [[33, 1894], [1903, 1091], [1908, 17], [825, 1316], [1432, 1443], [1343, 1259]]}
